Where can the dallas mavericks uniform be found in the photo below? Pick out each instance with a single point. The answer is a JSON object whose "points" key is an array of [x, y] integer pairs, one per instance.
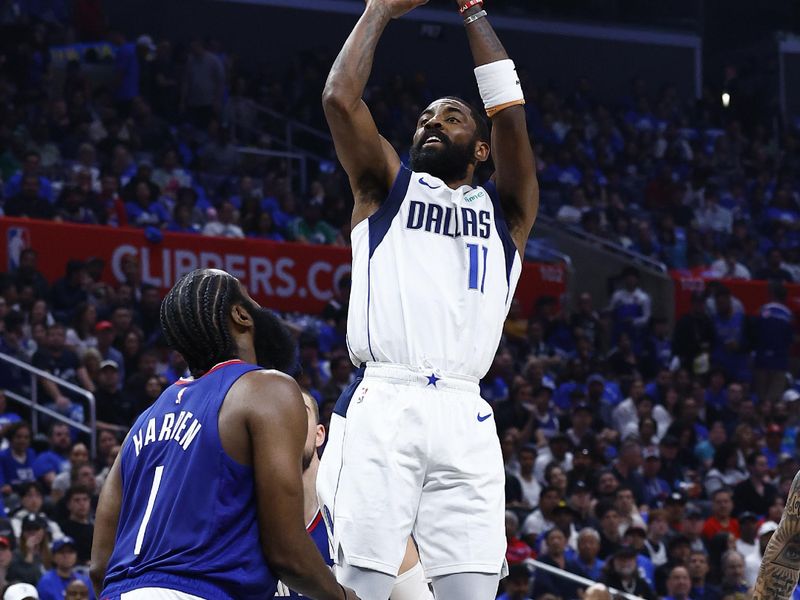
{"points": [[434, 273], [188, 520], [319, 534]]}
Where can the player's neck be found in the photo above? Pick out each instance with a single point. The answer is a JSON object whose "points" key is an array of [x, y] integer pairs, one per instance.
{"points": [[310, 500]]}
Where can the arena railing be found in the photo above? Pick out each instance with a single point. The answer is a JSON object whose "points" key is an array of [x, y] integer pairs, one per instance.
{"points": [[301, 158], [577, 578], [33, 402]]}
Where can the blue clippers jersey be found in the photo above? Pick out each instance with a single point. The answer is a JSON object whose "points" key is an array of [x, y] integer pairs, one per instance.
{"points": [[318, 533], [188, 517]]}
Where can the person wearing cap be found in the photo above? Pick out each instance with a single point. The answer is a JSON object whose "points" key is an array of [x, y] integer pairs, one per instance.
{"points": [[53, 584], [115, 407], [698, 572], [581, 431], [622, 573], [747, 543], [655, 488], [32, 558], [755, 493], [105, 334], [557, 451], [693, 528], [635, 537], [548, 583], [517, 585], [21, 591], [752, 562], [581, 501]]}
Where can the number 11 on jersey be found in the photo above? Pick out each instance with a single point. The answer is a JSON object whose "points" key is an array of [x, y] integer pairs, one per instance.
{"points": [[475, 271]]}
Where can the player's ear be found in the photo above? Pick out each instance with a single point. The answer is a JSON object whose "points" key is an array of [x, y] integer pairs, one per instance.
{"points": [[482, 151], [240, 316], [320, 437]]}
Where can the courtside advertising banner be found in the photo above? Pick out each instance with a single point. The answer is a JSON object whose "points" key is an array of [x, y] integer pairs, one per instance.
{"points": [[284, 276]]}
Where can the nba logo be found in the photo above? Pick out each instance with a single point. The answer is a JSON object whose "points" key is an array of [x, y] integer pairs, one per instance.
{"points": [[18, 239]]}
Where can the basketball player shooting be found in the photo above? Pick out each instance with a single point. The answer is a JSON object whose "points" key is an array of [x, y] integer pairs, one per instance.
{"points": [[780, 567], [436, 260], [205, 500]]}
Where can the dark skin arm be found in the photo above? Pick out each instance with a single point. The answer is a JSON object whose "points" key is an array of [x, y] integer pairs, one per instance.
{"points": [[368, 159], [105, 526], [270, 407], [515, 166]]}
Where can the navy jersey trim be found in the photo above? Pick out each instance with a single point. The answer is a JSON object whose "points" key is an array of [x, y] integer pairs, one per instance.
{"points": [[381, 220], [343, 403], [502, 229]]}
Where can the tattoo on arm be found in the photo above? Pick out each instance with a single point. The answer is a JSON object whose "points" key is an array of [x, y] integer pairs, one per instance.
{"points": [[780, 567]]}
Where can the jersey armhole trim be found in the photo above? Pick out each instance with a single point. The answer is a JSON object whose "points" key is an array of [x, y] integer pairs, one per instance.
{"points": [[509, 246], [381, 220]]}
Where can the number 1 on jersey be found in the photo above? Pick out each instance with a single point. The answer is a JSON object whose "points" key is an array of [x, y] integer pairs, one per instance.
{"points": [[474, 266], [149, 510]]}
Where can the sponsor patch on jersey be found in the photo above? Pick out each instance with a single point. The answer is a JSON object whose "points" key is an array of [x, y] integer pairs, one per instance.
{"points": [[474, 195]]}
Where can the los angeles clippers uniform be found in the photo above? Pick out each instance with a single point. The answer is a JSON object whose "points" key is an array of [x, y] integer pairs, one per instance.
{"points": [[316, 529], [188, 526], [412, 444]]}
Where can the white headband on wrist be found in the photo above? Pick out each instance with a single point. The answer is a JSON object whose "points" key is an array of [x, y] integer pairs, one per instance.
{"points": [[499, 86]]}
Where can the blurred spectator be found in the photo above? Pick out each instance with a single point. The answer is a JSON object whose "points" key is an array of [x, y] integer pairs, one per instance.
{"points": [[773, 271], [226, 225], [721, 520], [630, 308], [17, 460], [694, 337], [588, 548], [679, 584], [32, 558], [32, 503], [753, 560], [698, 570], [53, 584], [78, 525], [517, 551], [774, 336], [755, 493], [546, 583], [310, 228], [733, 581], [517, 584], [203, 85], [31, 169], [29, 201], [621, 572]]}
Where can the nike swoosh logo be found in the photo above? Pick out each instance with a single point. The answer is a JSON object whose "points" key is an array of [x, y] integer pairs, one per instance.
{"points": [[484, 417], [422, 181]]}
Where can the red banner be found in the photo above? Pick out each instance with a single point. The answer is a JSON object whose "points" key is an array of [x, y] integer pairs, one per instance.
{"points": [[283, 276], [752, 294]]}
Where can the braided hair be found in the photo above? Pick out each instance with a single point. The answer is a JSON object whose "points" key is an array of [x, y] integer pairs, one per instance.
{"points": [[194, 317]]}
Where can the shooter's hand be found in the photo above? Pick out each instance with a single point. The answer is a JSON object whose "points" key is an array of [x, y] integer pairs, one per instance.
{"points": [[395, 8]]}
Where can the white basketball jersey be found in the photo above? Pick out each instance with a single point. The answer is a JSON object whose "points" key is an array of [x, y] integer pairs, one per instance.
{"points": [[434, 273]]}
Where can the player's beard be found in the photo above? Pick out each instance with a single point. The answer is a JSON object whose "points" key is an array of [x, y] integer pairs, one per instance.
{"points": [[448, 162], [274, 344], [308, 456]]}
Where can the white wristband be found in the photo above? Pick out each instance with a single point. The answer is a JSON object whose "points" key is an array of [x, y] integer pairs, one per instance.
{"points": [[499, 85]]}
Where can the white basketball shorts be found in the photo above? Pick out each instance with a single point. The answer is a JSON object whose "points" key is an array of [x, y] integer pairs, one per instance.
{"points": [[413, 451]]}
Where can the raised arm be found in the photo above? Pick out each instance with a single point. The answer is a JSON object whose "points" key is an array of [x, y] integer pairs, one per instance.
{"points": [[515, 166], [369, 160], [780, 567]]}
